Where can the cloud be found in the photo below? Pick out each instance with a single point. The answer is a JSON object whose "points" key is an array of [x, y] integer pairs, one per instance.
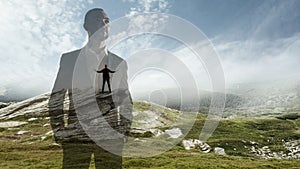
{"points": [[141, 6], [134, 43], [158, 51], [259, 60], [261, 44], [34, 34]]}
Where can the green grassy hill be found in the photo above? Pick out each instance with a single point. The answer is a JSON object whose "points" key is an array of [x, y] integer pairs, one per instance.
{"points": [[241, 138]]}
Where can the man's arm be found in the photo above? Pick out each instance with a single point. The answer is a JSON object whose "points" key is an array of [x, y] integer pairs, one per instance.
{"points": [[56, 101], [99, 71], [110, 71]]}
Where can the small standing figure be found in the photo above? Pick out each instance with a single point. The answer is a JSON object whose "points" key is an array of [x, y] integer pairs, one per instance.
{"points": [[105, 75]]}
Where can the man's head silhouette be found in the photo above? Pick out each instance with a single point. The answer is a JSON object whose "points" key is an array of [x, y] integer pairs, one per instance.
{"points": [[105, 66], [94, 20]]}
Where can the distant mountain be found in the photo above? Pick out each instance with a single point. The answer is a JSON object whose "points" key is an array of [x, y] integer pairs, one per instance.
{"points": [[14, 98], [247, 99], [17, 93], [172, 98]]}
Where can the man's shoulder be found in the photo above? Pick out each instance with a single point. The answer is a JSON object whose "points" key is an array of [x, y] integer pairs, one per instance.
{"points": [[74, 53], [69, 57], [114, 56]]}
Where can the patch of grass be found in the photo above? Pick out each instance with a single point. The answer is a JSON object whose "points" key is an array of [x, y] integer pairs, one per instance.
{"points": [[195, 160], [237, 136], [141, 106]]}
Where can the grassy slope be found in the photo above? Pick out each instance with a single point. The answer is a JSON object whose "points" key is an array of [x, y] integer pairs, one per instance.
{"points": [[28, 151]]}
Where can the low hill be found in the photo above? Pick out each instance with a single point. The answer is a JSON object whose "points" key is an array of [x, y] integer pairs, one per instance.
{"points": [[26, 139]]}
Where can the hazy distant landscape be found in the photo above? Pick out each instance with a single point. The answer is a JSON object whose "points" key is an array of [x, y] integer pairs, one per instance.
{"points": [[260, 99]]}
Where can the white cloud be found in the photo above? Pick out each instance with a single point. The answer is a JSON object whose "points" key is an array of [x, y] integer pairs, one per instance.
{"points": [[34, 34], [138, 20], [148, 6], [154, 23], [90, 1], [259, 60]]}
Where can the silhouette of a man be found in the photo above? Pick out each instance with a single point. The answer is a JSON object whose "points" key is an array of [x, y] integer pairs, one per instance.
{"points": [[105, 77], [68, 130]]}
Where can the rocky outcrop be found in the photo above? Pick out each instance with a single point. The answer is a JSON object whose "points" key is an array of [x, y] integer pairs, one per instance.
{"points": [[2, 105], [39, 106], [196, 144], [33, 107], [143, 120], [292, 147]]}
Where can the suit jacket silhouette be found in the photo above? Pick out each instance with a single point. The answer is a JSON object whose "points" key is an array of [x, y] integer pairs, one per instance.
{"points": [[77, 71]]}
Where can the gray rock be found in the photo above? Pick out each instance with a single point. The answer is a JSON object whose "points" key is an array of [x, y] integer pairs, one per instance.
{"points": [[3, 105], [13, 129], [147, 119], [174, 132], [49, 133], [22, 132], [55, 144], [219, 151], [33, 107], [43, 138], [156, 132], [46, 125], [196, 144], [32, 119], [8, 124], [293, 148]]}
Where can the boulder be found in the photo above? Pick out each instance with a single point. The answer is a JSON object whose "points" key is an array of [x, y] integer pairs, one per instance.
{"points": [[219, 151], [196, 144], [174, 132]]}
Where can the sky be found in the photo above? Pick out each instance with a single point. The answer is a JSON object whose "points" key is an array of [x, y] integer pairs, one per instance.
{"points": [[256, 40]]}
